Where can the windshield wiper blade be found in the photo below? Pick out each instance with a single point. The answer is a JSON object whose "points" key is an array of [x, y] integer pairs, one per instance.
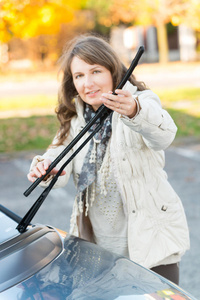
{"points": [[101, 114]]}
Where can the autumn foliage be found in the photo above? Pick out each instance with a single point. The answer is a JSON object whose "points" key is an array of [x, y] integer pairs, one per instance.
{"points": [[29, 18]]}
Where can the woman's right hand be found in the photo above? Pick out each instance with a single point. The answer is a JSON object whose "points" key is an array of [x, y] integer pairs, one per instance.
{"points": [[40, 169]]}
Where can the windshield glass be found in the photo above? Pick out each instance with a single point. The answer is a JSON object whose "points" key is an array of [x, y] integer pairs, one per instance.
{"points": [[8, 228]]}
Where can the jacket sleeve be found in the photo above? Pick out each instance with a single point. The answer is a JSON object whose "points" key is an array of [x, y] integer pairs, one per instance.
{"points": [[154, 123], [52, 153]]}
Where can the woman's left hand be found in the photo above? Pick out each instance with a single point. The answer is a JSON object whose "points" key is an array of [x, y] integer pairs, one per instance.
{"points": [[123, 102]]}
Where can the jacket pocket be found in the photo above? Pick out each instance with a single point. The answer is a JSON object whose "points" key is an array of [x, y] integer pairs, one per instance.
{"points": [[164, 200]]}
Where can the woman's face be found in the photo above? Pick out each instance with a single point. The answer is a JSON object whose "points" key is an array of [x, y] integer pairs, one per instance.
{"points": [[91, 81]]}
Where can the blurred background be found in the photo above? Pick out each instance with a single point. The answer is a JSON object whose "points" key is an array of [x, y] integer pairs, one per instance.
{"points": [[33, 34], [32, 37]]}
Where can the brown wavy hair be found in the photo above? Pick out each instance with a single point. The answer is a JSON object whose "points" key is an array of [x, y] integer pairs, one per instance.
{"points": [[93, 50]]}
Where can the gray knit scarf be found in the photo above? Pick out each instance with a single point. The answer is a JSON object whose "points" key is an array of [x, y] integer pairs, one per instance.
{"points": [[89, 168]]}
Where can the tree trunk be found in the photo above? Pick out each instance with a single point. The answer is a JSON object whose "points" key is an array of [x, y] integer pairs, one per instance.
{"points": [[162, 43]]}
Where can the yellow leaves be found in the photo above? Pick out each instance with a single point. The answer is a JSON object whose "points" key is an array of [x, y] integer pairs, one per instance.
{"points": [[29, 18], [175, 20], [147, 12], [193, 14], [46, 14], [187, 13]]}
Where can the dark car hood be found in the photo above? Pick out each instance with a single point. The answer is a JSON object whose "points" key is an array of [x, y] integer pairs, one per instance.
{"points": [[39, 264], [86, 271]]}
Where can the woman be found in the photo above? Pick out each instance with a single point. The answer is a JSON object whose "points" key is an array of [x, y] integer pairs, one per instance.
{"points": [[124, 202]]}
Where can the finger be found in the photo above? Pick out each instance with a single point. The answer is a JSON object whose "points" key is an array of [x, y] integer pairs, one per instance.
{"points": [[31, 177], [47, 163], [111, 101], [113, 105], [40, 168], [110, 97], [36, 172], [123, 93], [63, 173], [55, 171]]}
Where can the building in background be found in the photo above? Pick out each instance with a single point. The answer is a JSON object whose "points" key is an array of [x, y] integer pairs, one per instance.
{"points": [[182, 42]]}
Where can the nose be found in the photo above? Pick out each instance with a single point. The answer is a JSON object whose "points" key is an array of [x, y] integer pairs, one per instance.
{"points": [[88, 83]]}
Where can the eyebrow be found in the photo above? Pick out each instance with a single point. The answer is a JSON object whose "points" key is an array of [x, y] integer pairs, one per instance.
{"points": [[95, 67]]}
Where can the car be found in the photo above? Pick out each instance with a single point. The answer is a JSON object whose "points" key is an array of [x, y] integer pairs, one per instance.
{"points": [[45, 263]]}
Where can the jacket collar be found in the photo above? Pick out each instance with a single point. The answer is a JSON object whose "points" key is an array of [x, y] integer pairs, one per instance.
{"points": [[130, 87]]}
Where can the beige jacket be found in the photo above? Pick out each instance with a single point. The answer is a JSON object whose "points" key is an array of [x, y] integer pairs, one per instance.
{"points": [[157, 227]]}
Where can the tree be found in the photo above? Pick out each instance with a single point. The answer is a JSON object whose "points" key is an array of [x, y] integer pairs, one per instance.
{"points": [[30, 18], [146, 12], [191, 17]]}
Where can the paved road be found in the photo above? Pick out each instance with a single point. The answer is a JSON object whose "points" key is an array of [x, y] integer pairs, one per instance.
{"points": [[182, 165]]}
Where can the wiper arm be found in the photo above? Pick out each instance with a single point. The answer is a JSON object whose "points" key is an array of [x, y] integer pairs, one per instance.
{"points": [[33, 210], [101, 114]]}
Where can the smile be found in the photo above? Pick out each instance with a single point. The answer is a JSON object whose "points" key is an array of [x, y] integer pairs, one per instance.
{"points": [[92, 92]]}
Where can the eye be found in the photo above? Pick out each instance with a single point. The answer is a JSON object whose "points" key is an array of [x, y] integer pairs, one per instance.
{"points": [[97, 71], [78, 76]]}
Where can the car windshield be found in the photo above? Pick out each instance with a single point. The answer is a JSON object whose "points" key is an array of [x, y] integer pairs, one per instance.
{"points": [[8, 228]]}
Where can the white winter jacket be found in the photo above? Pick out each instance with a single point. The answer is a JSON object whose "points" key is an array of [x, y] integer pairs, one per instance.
{"points": [[157, 227]]}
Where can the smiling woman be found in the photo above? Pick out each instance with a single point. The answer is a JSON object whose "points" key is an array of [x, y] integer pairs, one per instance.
{"points": [[91, 81], [124, 201], [92, 52]]}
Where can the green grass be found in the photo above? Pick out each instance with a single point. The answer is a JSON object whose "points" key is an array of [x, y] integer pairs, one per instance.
{"points": [[182, 99], [183, 104], [37, 132], [27, 133], [188, 125]]}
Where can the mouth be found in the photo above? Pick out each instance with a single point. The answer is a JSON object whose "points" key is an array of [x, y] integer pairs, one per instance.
{"points": [[92, 92]]}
